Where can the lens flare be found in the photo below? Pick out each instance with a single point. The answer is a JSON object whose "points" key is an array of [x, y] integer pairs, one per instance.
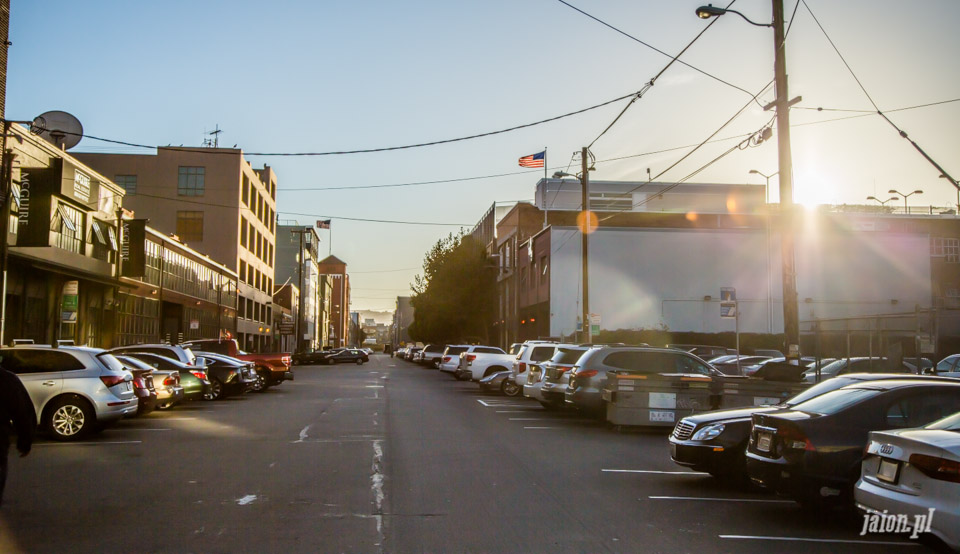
{"points": [[587, 222]]}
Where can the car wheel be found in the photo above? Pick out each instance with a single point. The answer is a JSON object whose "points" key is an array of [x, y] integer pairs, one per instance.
{"points": [[464, 376], [260, 384], [359, 361], [509, 388], [69, 418], [216, 390]]}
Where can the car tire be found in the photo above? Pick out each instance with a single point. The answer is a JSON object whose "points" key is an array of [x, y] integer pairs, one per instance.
{"points": [[260, 384], [359, 362], [509, 388], [69, 418], [216, 390]]}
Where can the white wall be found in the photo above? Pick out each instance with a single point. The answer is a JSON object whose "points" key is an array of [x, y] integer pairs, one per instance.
{"points": [[654, 278]]}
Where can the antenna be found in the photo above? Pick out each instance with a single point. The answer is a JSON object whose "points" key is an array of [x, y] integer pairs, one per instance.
{"points": [[60, 129], [215, 143]]}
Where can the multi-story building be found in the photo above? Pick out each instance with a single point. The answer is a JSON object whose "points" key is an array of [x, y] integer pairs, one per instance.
{"points": [[336, 269], [296, 263], [215, 202], [402, 318]]}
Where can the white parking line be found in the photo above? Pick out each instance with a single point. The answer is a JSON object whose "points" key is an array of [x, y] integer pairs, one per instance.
{"points": [[374, 386], [84, 443], [763, 500], [528, 418], [695, 473], [805, 539], [178, 418], [541, 427], [519, 411]]}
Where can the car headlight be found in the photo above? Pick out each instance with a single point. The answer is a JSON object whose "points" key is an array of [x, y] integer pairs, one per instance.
{"points": [[708, 432]]}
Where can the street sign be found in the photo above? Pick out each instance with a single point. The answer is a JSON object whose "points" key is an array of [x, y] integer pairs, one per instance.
{"points": [[728, 294], [728, 310], [594, 324]]}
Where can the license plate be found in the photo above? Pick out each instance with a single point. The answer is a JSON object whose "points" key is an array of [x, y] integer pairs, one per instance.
{"points": [[888, 470], [126, 386], [662, 416], [763, 442]]}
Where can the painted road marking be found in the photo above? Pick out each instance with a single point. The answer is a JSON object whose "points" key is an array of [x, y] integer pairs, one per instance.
{"points": [[764, 500], [805, 539], [653, 471]]}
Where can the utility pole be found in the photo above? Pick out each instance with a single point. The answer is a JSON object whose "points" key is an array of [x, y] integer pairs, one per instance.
{"points": [[584, 234], [791, 315]]}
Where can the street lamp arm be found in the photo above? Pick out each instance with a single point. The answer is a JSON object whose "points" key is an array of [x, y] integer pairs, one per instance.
{"points": [[708, 11]]}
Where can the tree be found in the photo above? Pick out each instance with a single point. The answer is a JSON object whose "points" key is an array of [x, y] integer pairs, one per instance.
{"points": [[455, 298]]}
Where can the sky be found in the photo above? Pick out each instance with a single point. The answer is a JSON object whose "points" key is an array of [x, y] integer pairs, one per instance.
{"points": [[307, 76]]}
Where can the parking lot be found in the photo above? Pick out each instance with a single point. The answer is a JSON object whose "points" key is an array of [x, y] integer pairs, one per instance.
{"points": [[391, 457]]}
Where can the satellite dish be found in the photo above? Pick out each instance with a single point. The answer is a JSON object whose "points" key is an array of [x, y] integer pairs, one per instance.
{"points": [[61, 129]]}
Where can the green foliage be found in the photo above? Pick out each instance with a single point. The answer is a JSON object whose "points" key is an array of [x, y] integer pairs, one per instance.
{"points": [[457, 293]]}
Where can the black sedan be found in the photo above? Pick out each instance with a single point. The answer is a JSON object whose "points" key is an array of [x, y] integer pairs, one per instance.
{"points": [[228, 376], [348, 355], [716, 442], [812, 451], [312, 356]]}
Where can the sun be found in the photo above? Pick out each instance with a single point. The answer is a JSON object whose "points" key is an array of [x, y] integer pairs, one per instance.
{"points": [[811, 189]]}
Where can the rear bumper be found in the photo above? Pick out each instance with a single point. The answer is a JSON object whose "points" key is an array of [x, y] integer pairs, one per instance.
{"points": [[588, 399], [945, 523]]}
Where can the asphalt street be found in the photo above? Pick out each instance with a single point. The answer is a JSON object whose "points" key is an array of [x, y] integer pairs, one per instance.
{"points": [[390, 457]]}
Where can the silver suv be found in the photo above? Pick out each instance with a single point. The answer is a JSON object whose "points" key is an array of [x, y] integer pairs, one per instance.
{"points": [[75, 390], [173, 351], [588, 377]]}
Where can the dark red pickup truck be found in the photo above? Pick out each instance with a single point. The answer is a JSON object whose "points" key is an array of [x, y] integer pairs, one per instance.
{"points": [[272, 369]]}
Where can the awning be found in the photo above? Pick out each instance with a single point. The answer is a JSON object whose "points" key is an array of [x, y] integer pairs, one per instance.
{"points": [[65, 216]]}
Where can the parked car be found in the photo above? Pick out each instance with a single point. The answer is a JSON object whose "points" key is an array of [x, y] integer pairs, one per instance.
{"points": [[75, 390], [347, 355], [556, 375], [193, 379], [166, 383], [415, 354], [501, 382], [590, 374], [143, 389], [408, 355], [768, 353], [228, 376], [431, 355], [732, 367], [399, 352], [273, 368], [536, 374], [310, 357], [812, 451], [715, 442], [450, 360], [531, 352], [477, 363], [948, 367], [914, 471], [856, 365], [703, 351]]}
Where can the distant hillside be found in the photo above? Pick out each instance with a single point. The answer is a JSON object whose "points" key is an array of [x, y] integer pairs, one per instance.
{"points": [[385, 317]]}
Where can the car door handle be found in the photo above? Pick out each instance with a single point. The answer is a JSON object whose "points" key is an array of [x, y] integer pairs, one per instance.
{"points": [[49, 383]]}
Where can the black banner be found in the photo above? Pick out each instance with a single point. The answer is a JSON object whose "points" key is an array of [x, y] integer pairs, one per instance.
{"points": [[134, 248]]}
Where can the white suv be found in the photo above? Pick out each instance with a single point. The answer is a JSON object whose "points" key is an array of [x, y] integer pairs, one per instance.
{"points": [[75, 390], [532, 351]]}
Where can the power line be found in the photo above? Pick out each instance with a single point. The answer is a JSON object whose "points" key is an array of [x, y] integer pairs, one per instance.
{"points": [[654, 48], [900, 131]]}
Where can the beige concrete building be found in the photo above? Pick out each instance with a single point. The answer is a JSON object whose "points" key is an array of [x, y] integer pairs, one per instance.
{"points": [[215, 202]]}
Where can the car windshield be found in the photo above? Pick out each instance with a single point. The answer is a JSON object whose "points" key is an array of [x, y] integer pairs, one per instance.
{"points": [[832, 368], [110, 361], [816, 390], [455, 350], [949, 423], [567, 356], [836, 400]]}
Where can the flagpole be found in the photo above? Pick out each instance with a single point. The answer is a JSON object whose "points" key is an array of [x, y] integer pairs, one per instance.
{"points": [[544, 195]]}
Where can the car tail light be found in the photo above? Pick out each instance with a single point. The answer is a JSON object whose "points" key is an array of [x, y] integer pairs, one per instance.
{"points": [[446, 359], [794, 439], [111, 380], [199, 374], [521, 367], [169, 381], [936, 468], [587, 373], [563, 369], [139, 383], [471, 358]]}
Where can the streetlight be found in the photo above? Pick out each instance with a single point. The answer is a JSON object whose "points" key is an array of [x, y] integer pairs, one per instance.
{"points": [[766, 191], [791, 315], [906, 208], [882, 202], [584, 177]]}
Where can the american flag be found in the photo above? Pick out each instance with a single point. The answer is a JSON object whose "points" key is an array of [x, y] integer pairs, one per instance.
{"points": [[533, 160], [323, 224]]}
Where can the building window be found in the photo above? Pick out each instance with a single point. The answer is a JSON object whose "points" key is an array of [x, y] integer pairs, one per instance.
{"points": [[246, 190], [68, 221], [104, 240], [951, 250], [243, 271], [243, 232], [128, 182], [190, 226], [190, 181]]}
